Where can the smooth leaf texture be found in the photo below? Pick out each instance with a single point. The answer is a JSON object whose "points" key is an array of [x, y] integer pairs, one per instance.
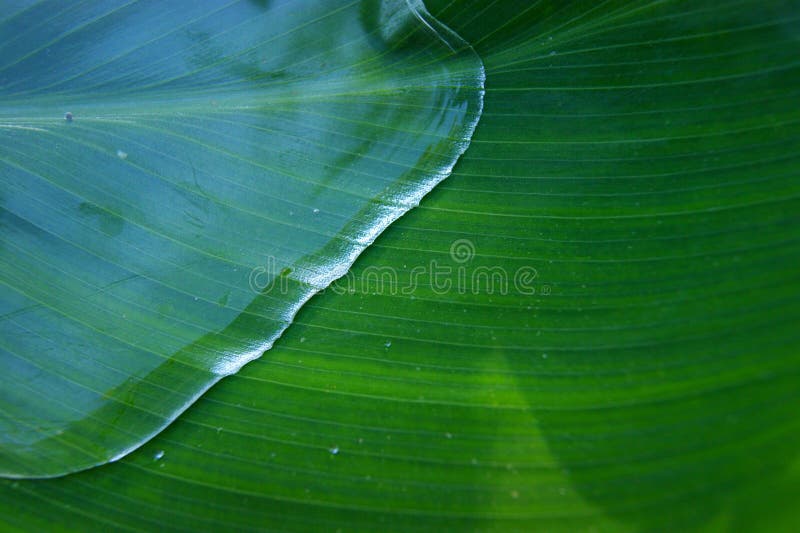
{"points": [[209, 149], [642, 157]]}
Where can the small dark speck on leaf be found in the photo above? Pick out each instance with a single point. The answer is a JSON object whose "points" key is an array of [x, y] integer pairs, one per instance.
{"points": [[68, 116]]}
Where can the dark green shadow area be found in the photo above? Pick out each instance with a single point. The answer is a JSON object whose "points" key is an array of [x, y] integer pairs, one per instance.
{"points": [[653, 150]]}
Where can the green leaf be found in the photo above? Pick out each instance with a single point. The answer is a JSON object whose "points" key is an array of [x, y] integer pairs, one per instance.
{"points": [[642, 159], [177, 183]]}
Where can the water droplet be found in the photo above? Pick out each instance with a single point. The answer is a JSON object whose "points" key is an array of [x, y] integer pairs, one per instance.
{"points": [[122, 155], [544, 356], [448, 435], [302, 339], [553, 53], [68, 116], [158, 455], [334, 450], [387, 344], [316, 210]]}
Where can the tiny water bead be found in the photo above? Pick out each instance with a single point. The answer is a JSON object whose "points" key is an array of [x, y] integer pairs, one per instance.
{"points": [[158, 455], [334, 450]]}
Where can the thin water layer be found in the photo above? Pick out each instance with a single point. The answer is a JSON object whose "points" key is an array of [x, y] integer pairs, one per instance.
{"points": [[176, 181]]}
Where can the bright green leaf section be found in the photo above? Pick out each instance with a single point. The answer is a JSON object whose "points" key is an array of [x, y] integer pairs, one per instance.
{"points": [[642, 157], [177, 179]]}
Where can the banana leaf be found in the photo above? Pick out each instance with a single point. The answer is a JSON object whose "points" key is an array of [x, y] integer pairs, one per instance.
{"points": [[590, 324]]}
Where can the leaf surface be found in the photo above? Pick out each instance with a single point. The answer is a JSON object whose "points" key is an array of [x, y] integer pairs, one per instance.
{"points": [[642, 157], [177, 180]]}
